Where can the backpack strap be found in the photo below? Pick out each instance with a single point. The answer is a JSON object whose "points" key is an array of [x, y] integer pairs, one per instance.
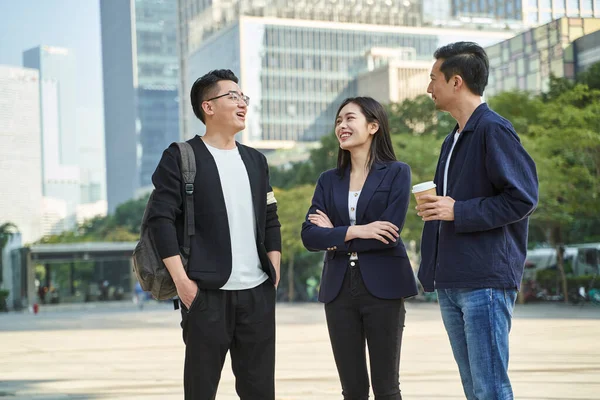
{"points": [[188, 172]]}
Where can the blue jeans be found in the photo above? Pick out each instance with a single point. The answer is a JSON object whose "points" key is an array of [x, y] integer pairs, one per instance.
{"points": [[478, 322]]}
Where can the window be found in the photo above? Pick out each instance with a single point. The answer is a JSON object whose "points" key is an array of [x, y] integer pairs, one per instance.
{"points": [[532, 17], [573, 4], [587, 261]]}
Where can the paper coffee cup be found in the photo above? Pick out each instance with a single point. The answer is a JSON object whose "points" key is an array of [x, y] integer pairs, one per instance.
{"points": [[423, 189]]}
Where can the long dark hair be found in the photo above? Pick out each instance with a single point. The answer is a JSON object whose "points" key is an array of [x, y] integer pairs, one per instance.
{"points": [[382, 149]]}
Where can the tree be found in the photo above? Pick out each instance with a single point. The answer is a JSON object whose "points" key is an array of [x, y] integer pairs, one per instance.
{"points": [[566, 147], [129, 214], [292, 205], [557, 86], [522, 109], [591, 76], [7, 229], [419, 116], [421, 154], [307, 172], [123, 225]]}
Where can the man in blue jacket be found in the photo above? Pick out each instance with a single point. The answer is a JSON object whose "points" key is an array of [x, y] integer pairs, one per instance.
{"points": [[475, 234]]}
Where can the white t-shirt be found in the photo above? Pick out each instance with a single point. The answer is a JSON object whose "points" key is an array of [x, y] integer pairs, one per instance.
{"points": [[246, 272], [352, 203], [448, 163]]}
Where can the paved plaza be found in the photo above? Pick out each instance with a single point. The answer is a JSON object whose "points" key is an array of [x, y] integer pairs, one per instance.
{"points": [[109, 352]]}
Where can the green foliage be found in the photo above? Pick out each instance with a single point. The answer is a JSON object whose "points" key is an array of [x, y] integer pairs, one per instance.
{"points": [[307, 270], [3, 296], [421, 154], [7, 229], [307, 173], [292, 205], [419, 116], [522, 109], [565, 143], [561, 131], [590, 77], [122, 226], [549, 279], [129, 214]]}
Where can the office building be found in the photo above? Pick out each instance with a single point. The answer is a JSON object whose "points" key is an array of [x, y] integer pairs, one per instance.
{"points": [[587, 51], [141, 77], [526, 61], [20, 150], [536, 12], [296, 71]]}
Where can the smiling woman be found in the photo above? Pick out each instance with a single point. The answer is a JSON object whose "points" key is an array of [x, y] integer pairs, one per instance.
{"points": [[364, 125], [357, 214]]}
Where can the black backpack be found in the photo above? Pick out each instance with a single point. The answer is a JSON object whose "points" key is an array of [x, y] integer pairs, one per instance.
{"points": [[149, 268]]}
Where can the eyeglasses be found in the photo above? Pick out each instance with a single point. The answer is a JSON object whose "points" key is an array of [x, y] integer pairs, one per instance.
{"points": [[235, 96]]}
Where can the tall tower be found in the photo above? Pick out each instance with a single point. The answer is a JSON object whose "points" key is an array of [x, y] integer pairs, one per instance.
{"points": [[140, 77]]}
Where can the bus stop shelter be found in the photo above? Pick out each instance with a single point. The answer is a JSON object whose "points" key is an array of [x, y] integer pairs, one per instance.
{"points": [[70, 272]]}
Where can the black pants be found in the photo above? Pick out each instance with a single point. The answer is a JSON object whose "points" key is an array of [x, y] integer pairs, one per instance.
{"points": [[240, 321], [355, 316]]}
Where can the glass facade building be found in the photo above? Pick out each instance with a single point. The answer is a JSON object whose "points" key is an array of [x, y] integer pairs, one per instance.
{"points": [[537, 12], [141, 78], [297, 72], [526, 61], [497, 9], [530, 12], [20, 150], [200, 20], [61, 174], [59, 65], [587, 51]]}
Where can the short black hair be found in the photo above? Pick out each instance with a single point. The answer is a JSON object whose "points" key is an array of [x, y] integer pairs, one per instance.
{"points": [[204, 87], [468, 60]]}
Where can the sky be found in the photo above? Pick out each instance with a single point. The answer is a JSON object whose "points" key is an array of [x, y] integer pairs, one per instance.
{"points": [[74, 24]]}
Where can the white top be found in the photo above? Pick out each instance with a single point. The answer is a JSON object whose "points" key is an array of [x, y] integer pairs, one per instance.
{"points": [[352, 203], [448, 163], [246, 272]]}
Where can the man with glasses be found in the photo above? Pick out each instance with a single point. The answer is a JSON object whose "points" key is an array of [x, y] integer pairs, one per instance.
{"points": [[227, 293]]}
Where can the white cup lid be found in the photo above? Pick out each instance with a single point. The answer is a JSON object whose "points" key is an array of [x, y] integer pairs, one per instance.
{"points": [[421, 187]]}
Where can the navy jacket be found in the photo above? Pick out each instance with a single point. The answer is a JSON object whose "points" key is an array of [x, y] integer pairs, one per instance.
{"points": [[494, 183], [385, 268]]}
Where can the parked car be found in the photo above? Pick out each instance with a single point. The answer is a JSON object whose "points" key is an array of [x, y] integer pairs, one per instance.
{"points": [[580, 259]]}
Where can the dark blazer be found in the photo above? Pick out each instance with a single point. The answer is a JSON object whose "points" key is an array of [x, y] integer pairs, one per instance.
{"points": [[494, 183], [210, 248], [385, 268]]}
